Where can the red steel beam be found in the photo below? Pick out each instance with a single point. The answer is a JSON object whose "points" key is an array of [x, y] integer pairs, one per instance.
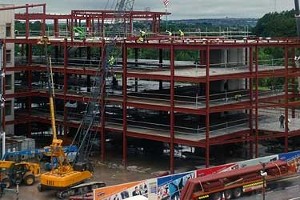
{"points": [[230, 136], [35, 16], [149, 137], [24, 6], [22, 94]]}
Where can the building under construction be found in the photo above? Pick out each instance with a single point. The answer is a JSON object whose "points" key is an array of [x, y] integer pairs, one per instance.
{"points": [[150, 95]]}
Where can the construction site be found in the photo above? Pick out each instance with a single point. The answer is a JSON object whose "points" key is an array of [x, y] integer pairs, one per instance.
{"points": [[130, 92]]}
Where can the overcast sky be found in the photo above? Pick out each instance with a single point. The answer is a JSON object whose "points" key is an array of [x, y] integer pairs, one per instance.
{"points": [[180, 9]]}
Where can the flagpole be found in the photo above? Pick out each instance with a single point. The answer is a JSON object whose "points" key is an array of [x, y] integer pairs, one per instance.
{"points": [[166, 3]]}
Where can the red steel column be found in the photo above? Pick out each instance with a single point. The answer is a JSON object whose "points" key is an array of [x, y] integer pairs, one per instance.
{"points": [[124, 85], [154, 24], [160, 58], [56, 29], [29, 101], [29, 54], [172, 114], [294, 84], [207, 93], [66, 57], [44, 21], [71, 26], [131, 25], [251, 98], [88, 24], [98, 28], [202, 57], [102, 131], [256, 101], [102, 25], [27, 22], [93, 30], [68, 26], [286, 87]]}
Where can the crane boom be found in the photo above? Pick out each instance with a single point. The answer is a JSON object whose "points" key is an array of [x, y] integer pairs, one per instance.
{"points": [[51, 99], [66, 175], [297, 15], [125, 5], [84, 136], [62, 176], [45, 41], [297, 7]]}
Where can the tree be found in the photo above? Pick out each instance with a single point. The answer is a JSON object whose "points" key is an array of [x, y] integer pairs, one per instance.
{"points": [[276, 25]]}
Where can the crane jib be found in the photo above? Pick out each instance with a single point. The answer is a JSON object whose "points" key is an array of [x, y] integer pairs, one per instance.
{"points": [[85, 135]]}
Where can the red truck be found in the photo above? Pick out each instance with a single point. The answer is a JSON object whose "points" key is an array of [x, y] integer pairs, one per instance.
{"points": [[232, 184]]}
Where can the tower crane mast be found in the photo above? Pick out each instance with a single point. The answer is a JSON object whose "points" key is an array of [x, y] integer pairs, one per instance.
{"points": [[297, 15]]}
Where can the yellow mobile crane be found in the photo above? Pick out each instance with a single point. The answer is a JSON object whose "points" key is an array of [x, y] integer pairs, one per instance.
{"points": [[64, 176]]}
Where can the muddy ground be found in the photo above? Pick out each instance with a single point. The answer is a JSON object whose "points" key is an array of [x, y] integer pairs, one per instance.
{"points": [[111, 172]]}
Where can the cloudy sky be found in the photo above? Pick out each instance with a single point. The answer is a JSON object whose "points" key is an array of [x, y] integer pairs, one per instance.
{"points": [[180, 9]]}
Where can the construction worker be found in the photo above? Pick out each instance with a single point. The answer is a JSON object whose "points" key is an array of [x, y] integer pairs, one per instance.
{"points": [[238, 97], [281, 120], [111, 61], [142, 36], [181, 33], [2, 101], [114, 82], [16, 32], [170, 34]]}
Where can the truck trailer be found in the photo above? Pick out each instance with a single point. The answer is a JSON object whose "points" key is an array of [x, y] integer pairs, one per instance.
{"points": [[232, 184]]}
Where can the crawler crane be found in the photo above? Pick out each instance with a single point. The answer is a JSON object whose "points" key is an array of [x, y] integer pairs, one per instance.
{"points": [[63, 177], [67, 178], [90, 121]]}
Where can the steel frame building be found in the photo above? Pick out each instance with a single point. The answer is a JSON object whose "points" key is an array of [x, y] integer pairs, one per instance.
{"points": [[212, 99]]}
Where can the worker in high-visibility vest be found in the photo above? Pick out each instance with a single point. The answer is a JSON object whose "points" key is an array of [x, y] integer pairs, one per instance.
{"points": [[169, 32], [142, 36], [181, 33], [111, 60]]}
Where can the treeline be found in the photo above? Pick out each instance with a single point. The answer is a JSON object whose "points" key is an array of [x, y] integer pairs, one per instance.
{"points": [[273, 24], [276, 24]]}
